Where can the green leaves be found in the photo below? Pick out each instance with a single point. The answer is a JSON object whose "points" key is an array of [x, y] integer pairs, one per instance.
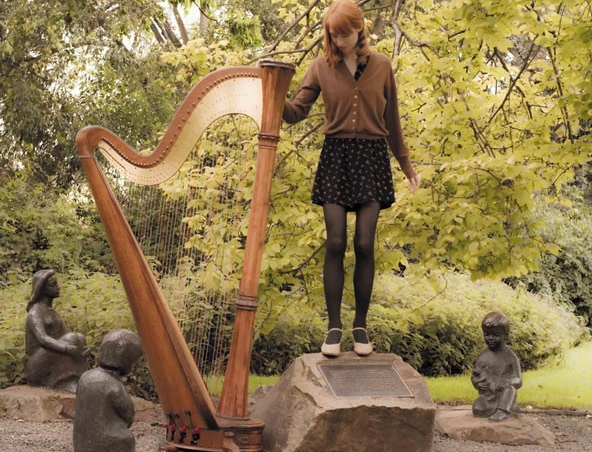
{"points": [[495, 99], [488, 128]]}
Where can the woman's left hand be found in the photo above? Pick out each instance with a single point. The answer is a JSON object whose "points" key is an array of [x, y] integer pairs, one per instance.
{"points": [[414, 182]]}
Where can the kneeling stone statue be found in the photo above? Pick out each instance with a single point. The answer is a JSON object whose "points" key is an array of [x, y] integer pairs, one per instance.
{"points": [[104, 409], [496, 374]]}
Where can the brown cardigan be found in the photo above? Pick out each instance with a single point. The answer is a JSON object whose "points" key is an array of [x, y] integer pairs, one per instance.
{"points": [[366, 108]]}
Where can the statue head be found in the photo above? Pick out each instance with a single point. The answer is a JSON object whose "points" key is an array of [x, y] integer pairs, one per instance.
{"points": [[120, 350], [496, 329], [45, 284], [496, 320]]}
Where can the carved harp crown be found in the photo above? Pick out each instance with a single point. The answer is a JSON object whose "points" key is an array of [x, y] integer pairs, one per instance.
{"points": [[258, 92]]}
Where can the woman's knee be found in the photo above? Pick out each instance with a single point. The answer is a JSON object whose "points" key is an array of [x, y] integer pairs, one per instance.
{"points": [[364, 247], [335, 246]]}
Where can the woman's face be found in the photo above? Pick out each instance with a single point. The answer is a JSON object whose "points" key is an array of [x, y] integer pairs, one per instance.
{"points": [[52, 288], [346, 42]]}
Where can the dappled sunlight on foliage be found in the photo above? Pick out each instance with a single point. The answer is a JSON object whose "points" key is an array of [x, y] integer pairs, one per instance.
{"points": [[496, 109]]}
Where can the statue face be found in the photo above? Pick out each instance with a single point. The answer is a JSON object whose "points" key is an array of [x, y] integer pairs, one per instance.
{"points": [[495, 338], [52, 288]]}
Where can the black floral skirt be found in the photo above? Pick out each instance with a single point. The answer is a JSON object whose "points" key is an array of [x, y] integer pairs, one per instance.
{"points": [[352, 172]]}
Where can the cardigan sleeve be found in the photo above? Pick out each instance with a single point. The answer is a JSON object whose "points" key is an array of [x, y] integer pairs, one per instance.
{"points": [[393, 124], [307, 93]]}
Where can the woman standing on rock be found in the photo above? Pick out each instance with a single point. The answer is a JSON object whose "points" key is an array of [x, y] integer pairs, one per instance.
{"points": [[354, 174]]}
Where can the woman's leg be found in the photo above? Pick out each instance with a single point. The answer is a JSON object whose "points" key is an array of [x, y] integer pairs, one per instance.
{"points": [[333, 273], [366, 220]]}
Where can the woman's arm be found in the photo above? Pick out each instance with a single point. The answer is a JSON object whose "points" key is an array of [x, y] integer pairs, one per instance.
{"points": [[395, 138], [306, 95]]}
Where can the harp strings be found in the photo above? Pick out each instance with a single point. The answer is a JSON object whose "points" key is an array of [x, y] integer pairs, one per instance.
{"points": [[192, 230]]}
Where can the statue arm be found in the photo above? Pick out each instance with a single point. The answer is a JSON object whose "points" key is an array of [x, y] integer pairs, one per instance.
{"points": [[36, 326], [516, 375], [122, 404], [512, 375], [476, 379]]}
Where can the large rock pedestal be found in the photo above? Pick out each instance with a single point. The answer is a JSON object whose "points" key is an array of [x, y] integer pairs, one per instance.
{"points": [[348, 404]]}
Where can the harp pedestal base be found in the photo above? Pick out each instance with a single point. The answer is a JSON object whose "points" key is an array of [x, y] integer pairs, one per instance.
{"points": [[247, 433], [240, 435]]}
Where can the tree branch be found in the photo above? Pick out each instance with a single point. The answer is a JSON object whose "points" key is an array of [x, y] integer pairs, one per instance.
{"points": [[400, 34], [294, 23], [513, 80], [563, 109], [304, 263], [181, 25], [297, 143]]}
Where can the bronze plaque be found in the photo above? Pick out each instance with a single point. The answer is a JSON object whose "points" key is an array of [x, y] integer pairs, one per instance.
{"points": [[359, 379]]}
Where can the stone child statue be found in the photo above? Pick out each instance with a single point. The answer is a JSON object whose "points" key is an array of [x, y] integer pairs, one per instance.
{"points": [[104, 409], [56, 357], [496, 374]]}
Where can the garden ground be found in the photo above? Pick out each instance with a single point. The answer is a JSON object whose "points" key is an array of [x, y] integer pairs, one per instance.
{"points": [[573, 434]]}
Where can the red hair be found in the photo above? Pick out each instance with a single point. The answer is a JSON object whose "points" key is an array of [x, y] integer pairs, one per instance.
{"points": [[345, 17]]}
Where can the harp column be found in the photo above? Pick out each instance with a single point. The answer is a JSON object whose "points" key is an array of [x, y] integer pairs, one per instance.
{"points": [[233, 405]]}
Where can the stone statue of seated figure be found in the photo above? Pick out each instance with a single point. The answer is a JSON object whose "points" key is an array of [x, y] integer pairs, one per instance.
{"points": [[104, 410], [496, 374], [56, 357]]}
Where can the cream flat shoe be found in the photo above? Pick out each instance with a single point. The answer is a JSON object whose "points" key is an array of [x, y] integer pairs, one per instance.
{"points": [[362, 348], [332, 349]]}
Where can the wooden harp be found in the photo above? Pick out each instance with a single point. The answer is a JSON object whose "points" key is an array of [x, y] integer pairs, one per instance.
{"points": [[258, 92]]}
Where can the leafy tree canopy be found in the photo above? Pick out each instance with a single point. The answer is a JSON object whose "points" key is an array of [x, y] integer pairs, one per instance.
{"points": [[497, 105], [495, 96], [55, 54]]}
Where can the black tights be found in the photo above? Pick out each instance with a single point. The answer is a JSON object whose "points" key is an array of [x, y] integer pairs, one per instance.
{"points": [[333, 275]]}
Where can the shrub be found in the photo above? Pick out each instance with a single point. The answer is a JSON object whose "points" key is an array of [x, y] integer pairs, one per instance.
{"points": [[434, 324], [12, 332], [294, 334], [41, 229], [565, 276], [95, 304]]}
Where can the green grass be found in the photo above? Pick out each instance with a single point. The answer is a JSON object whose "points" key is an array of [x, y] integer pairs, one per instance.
{"points": [[214, 384], [255, 381], [565, 384]]}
